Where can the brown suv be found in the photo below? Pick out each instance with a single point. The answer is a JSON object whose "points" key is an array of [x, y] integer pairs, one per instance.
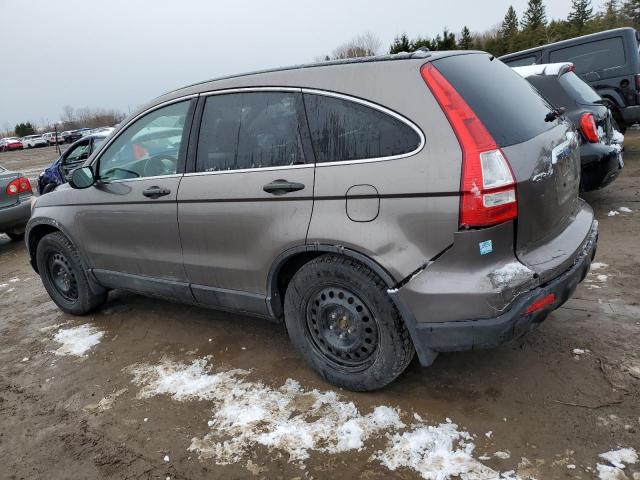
{"points": [[419, 202]]}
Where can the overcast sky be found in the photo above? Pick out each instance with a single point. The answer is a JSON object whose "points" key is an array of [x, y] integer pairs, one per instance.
{"points": [[121, 53]]}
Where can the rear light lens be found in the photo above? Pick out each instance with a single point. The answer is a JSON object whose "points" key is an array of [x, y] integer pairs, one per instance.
{"points": [[488, 188], [588, 127], [637, 81], [19, 185], [540, 303]]}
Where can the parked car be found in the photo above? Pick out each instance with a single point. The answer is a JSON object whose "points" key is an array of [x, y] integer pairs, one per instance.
{"points": [[10, 143], [52, 138], [60, 170], [76, 134], [15, 203], [65, 136], [32, 141], [374, 218], [608, 61], [600, 155]]}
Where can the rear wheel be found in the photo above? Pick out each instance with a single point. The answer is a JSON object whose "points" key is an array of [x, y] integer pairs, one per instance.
{"points": [[49, 187], [618, 122], [341, 319], [64, 276]]}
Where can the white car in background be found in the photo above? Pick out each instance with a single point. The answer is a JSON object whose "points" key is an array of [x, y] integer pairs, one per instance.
{"points": [[51, 138], [32, 141]]}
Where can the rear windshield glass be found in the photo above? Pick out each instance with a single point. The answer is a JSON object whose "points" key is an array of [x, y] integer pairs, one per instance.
{"points": [[508, 106], [578, 90]]}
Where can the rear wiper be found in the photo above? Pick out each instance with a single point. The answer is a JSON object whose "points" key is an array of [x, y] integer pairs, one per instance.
{"points": [[555, 113]]}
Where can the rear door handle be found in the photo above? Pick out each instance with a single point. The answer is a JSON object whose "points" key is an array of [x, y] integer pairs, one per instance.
{"points": [[280, 187], [156, 192]]}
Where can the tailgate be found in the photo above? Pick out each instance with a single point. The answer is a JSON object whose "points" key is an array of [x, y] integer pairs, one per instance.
{"points": [[553, 222]]}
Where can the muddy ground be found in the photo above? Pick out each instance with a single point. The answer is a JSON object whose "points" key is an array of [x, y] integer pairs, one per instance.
{"points": [[549, 411]]}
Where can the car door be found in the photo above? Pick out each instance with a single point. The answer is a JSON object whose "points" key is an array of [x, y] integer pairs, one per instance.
{"points": [[249, 197], [128, 221], [74, 157]]}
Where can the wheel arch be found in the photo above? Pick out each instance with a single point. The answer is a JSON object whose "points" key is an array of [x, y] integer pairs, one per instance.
{"points": [[290, 261], [36, 231]]}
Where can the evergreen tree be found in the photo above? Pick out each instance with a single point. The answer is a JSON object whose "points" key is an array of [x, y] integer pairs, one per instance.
{"points": [[400, 44], [509, 31], [466, 40], [581, 12], [23, 129], [447, 41], [631, 11], [535, 16]]}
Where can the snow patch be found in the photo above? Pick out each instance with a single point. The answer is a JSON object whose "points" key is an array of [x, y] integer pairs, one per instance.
{"points": [[625, 209], [618, 460], [617, 137], [540, 69], [513, 273], [294, 421], [613, 213], [77, 340], [598, 265]]}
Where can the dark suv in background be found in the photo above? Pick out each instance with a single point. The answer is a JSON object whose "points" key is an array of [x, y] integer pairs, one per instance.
{"points": [[600, 142], [416, 202], [608, 61]]}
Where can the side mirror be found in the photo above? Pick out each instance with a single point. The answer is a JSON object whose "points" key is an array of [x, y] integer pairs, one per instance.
{"points": [[82, 177]]}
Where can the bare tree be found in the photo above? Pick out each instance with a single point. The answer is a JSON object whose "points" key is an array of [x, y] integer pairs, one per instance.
{"points": [[365, 45]]}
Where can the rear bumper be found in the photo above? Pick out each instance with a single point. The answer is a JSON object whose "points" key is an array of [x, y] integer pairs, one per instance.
{"points": [[513, 322], [601, 164], [15, 216]]}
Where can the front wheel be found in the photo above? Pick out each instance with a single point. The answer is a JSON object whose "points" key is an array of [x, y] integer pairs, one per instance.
{"points": [[64, 276], [343, 322]]}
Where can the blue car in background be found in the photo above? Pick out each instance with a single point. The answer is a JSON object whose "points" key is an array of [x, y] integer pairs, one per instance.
{"points": [[59, 171]]}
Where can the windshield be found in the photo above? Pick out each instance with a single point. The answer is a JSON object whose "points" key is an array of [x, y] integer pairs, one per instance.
{"points": [[578, 89]]}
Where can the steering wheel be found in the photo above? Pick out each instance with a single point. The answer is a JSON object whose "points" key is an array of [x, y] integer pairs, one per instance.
{"points": [[160, 165]]}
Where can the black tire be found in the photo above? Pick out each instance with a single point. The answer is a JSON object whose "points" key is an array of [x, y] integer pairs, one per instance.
{"points": [[49, 187], [15, 236], [64, 276], [618, 123], [353, 336]]}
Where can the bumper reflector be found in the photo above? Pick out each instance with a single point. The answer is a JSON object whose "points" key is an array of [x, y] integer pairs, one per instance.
{"points": [[540, 303]]}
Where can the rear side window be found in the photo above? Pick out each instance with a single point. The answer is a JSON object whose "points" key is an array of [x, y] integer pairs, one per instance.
{"points": [[603, 56], [249, 130], [508, 106], [344, 130], [578, 89], [521, 62]]}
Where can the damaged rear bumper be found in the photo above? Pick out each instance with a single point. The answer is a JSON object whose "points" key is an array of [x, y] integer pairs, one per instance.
{"points": [[524, 314]]}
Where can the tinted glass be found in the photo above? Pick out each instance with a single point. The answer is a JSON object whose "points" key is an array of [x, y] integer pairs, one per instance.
{"points": [[605, 57], [345, 130], [578, 89], [249, 130], [149, 147], [79, 152], [508, 106], [521, 62]]}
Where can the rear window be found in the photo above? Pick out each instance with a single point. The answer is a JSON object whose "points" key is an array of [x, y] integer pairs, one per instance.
{"points": [[578, 89], [508, 106], [605, 57], [521, 62]]}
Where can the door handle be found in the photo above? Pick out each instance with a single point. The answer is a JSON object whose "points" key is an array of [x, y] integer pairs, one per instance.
{"points": [[280, 187], [156, 192]]}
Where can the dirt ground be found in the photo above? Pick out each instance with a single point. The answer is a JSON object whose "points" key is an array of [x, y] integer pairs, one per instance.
{"points": [[536, 408]]}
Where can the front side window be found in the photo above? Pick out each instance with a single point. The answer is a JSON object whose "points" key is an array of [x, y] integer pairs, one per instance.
{"points": [[148, 147], [249, 130], [79, 152], [344, 130]]}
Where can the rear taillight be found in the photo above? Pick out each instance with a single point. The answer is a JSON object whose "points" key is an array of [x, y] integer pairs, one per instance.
{"points": [[637, 81], [19, 185], [488, 189], [540, 303], [588, 127]]}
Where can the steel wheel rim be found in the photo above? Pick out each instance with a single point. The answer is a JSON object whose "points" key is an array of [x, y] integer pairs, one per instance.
{"points": [[341, 327], [62, 277]]}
